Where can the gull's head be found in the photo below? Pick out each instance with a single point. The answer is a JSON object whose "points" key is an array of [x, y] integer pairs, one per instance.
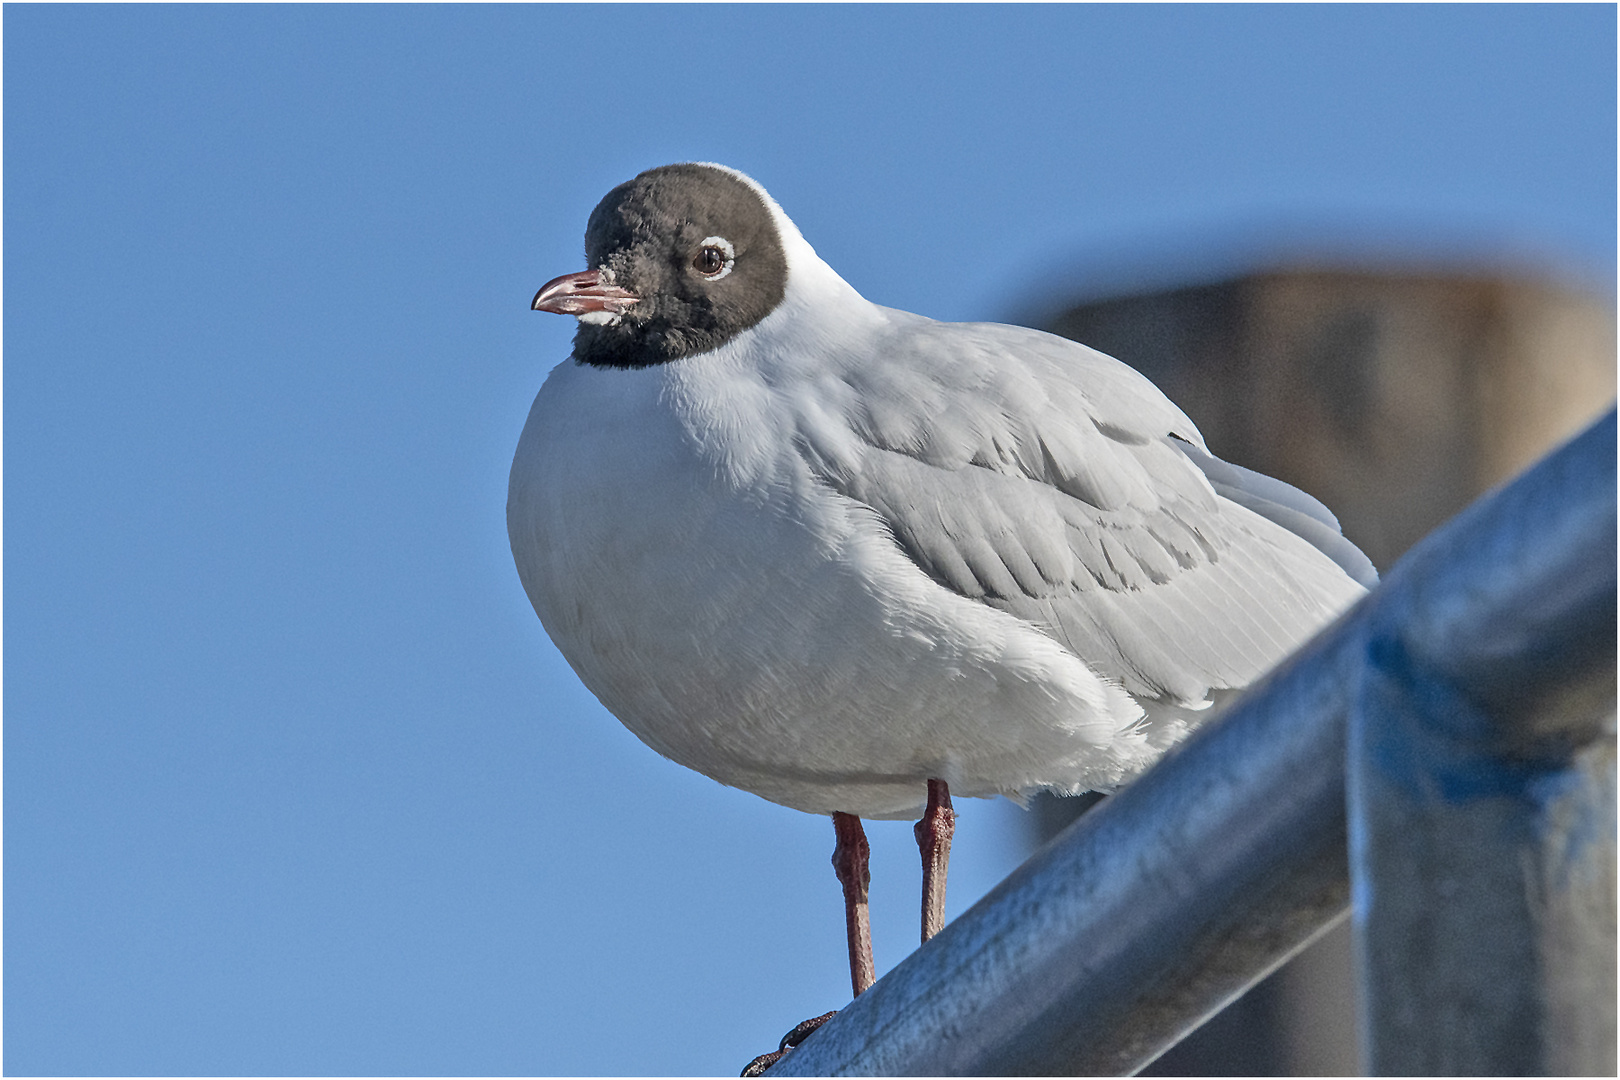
{"points": [[682, 259]]}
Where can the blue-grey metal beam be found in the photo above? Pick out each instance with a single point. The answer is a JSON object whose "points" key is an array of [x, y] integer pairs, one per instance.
{"points": [[1482, 788], [1159, 907]]}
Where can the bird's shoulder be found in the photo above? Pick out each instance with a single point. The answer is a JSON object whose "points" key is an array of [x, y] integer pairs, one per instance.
{"points": [[963, 405]]}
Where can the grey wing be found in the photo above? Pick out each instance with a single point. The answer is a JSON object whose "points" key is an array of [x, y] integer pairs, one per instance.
{"points": [[1289, 507], [1058, 485]]}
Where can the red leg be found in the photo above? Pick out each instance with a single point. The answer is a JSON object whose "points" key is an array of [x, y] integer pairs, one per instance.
{"points": [[934, 834], [850, 864], [849, 859]]}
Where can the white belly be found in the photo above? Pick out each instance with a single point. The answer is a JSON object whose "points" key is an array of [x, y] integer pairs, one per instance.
{"points": [[752, 625]]}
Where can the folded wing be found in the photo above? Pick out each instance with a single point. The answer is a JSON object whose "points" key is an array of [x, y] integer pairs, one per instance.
{"points": [[1052, 482]]}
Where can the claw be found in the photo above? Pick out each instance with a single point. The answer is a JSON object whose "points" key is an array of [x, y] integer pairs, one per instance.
{"points": [[793, 1038], [758, 1066], [802, 1032]]}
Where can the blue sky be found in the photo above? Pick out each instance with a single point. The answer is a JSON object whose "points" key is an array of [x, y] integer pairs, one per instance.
{"points": [[294, 782]]}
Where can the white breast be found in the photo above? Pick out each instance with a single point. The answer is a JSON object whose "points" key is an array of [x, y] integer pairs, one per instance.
{"points": [[747, 622]]}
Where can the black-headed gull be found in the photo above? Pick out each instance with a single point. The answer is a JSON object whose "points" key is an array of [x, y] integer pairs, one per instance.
{"points": [[855, 560]]}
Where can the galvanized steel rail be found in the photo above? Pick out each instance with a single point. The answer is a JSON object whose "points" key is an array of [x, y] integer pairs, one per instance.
{"points": [[1482, 787], [1481, 678]]}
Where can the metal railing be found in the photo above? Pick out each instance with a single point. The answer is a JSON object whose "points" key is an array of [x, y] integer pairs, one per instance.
{"points": [[1470, 701]]}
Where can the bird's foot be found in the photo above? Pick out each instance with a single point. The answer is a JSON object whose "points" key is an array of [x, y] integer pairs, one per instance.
{"points": [[793, 1038]]}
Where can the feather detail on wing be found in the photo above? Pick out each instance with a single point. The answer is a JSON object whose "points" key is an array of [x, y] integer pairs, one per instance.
{"points": [[1287, 506], [1056, 484]]}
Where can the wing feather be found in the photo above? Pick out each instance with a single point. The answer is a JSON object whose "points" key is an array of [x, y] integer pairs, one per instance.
{"points": [[1060, 486]]}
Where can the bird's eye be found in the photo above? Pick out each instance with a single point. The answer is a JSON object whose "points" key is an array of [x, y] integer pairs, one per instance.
{"points": [[714, 259]]}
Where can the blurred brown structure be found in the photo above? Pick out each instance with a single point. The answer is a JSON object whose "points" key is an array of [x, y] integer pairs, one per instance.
{"points": [[1395, 397]]}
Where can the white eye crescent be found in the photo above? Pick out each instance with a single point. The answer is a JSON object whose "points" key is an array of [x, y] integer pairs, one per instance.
{"points": [[715, 257]]}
